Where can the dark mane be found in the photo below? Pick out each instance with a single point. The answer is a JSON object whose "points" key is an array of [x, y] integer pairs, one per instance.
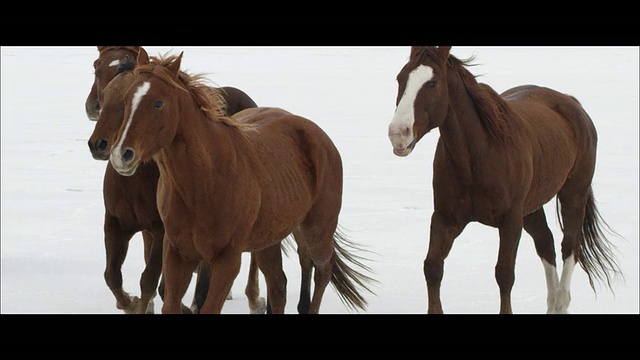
{"points": [[491, 108], [209, 100]]}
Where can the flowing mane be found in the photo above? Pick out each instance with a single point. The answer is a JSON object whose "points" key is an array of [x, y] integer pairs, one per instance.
{"points": [[491, 108], [210, 100]]}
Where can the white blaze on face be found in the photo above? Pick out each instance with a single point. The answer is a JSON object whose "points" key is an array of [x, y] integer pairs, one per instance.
{"points": [[401, 127], [116, 153], [114, 63]]}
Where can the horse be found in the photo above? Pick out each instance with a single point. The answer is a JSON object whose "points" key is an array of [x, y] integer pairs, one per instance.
{"points": [[130, 203], [104, 132], [498, 160], [236, 184], [105, 68]]}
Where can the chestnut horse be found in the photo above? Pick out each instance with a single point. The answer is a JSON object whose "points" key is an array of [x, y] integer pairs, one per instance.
{"points": [[236, 184], [498, 160], [130, 203]]}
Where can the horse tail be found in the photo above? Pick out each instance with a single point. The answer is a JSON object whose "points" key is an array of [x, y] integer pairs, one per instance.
{"points": [[597, 256], [346, 280]]}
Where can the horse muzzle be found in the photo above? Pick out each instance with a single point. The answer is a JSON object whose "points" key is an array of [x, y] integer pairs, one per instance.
{"points": [[99, 149], [124, 162]]}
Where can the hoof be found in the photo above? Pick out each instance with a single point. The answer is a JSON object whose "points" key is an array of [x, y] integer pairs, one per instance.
{"points": [[150, 308], [133, 305], [186, 310], [260, 308]]}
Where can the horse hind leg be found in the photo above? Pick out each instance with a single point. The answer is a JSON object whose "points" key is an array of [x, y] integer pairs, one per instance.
{"points": [[316, 243], [535, 224], [572, 206], [306, 269], [269, 261], [257, 304]]}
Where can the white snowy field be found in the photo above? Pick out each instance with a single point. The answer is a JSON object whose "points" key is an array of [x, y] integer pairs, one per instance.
{"points": [[53, 254]]}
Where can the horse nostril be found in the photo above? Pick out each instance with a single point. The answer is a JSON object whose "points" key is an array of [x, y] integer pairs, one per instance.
{"points": [[97, 105], [102, 144], [128, 155]]}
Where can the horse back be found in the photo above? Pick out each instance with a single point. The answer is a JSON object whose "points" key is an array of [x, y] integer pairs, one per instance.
{"points": [[287, 138], [546, 107]]}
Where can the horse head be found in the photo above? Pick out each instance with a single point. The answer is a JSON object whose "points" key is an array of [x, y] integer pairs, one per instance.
{"points": [[110, 117], [105, 69], [151, 112], [423, 98]]}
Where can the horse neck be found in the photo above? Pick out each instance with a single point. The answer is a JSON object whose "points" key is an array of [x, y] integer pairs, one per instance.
{"points": [[199, 145], [462, 135]]}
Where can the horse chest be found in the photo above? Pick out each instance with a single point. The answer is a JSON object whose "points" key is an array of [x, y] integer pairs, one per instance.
{"points": [[472, 199]]}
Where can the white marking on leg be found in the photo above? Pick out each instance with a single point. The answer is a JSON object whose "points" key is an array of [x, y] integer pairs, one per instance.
{"points": [[551, 275], [563, 293], [401, 127], [116, 152]]}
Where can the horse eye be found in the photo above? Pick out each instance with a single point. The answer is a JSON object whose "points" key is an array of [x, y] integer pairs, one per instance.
{"points": [[158, 104], [432, 83]]}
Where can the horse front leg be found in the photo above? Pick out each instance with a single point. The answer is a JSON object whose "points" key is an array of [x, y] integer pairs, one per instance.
{"points": [[153, 268], [116, 241], [224, 269], [510, 230], [177, 272], [444, 230]]}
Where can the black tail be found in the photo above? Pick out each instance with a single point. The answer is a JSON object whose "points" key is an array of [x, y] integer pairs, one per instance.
{"points": [[346, 280]]}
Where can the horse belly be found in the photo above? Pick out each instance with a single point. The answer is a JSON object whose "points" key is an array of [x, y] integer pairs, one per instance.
{"points": [[284, 207]]}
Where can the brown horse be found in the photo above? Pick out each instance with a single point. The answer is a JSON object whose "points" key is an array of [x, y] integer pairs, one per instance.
{"points": [[236, 184], [498, 160], [130, 203]]}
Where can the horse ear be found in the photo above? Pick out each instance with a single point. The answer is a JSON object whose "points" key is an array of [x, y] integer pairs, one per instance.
{"points": [[143, 57], [444, 51], [175, 65], [415, 50]]}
